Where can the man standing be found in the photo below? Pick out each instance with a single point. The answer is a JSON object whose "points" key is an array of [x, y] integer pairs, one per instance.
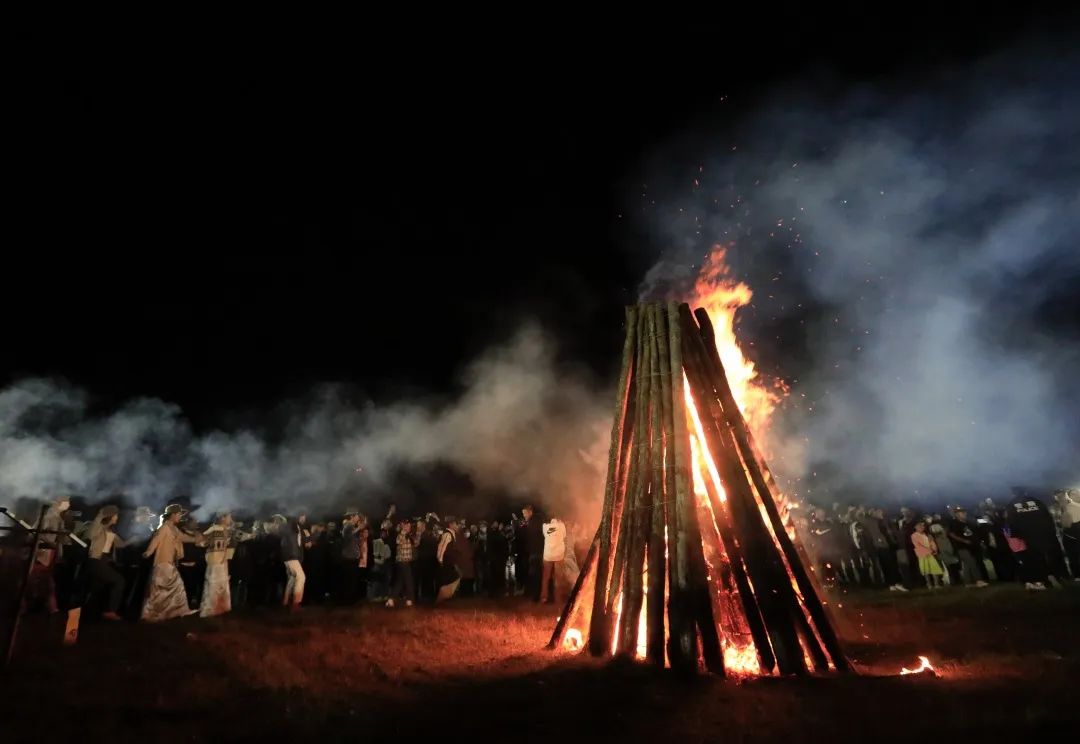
{"points": [[533, 534], [554, 554], [403, 578], [42, 583], [1030, 520], [427, 562], [292, 555], [165, 595], [349, 565], [498, 551], [99, 568], [966, 545]]}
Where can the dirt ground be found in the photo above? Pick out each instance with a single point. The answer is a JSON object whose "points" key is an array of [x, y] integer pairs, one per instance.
{"points": [[1009, 660]]}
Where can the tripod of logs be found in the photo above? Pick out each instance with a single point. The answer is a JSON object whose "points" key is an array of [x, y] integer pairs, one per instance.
{"points": [[713, 571]]}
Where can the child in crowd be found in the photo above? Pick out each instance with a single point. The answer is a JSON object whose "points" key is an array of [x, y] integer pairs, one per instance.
{"points": [[925, 551]]}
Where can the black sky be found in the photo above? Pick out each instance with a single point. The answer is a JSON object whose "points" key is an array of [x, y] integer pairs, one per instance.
{"points": [[226, 225]]}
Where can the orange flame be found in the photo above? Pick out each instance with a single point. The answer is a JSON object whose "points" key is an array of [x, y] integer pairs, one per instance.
{"points": [[924, 666], [573, 641], [722, 296]]}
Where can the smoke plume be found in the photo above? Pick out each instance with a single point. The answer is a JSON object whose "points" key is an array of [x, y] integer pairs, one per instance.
{"points": [[523, 428], [913, 252]]}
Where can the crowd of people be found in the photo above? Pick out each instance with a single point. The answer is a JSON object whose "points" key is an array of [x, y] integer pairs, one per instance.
{"points": [[1026, 540], [171, 565]]}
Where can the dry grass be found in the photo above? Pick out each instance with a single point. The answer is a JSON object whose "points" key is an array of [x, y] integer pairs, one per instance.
{"points": [[1009, 661]]}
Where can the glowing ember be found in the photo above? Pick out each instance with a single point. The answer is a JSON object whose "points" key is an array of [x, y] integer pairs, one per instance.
{"points": [[573, 641], [924, 666], [742, 662]]}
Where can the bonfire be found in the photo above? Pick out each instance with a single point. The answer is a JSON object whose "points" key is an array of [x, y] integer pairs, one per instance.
{"points": [[695, 564]]}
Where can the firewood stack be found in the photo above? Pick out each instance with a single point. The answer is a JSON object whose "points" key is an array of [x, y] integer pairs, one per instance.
{"points": [[692, 566]]}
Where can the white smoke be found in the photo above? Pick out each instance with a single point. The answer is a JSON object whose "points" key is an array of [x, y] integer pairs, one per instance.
{"points": [[524, 425], [916, 239]]}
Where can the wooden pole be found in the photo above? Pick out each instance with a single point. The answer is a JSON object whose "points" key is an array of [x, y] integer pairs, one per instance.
{"points": [[637, 517], [616, 454], [24, 582], [623, 509], [796, 559], [773, 591], [682, 641], [657, 548], [572, 603]]}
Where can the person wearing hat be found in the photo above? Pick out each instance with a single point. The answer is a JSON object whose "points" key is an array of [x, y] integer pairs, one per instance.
{"points": [[100, 567], [165, 595]]}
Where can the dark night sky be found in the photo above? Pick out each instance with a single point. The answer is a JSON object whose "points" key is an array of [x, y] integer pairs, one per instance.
{"points": [[225, 229]]}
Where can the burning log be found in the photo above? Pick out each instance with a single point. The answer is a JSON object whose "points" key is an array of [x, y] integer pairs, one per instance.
{"points": [[753, 599], [766, 488], [599, 628]]}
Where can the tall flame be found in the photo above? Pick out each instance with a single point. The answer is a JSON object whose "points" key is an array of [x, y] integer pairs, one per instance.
{"points": [[722, 296]]}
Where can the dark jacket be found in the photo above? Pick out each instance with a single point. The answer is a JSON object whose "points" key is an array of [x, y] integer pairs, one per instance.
{"points": [[291, 549], [533, 534]]}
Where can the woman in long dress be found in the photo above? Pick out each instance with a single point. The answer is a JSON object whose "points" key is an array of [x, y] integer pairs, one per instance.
{"points": [[165, 595], [221, 538]]}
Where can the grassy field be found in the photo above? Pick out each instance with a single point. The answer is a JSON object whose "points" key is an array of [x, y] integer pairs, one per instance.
{"points": [[1009, 660]]}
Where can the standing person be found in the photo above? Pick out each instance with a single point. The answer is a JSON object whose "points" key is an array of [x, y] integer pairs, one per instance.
{"points": [[192, 565], [136, 568], [908, 519], [1029, 520], [406, 555], [480, 559], [533, 534], [349, 564], [823, 537], [220, 538], [315, 565], [966, 546], [997, 542], [925, 549], [860, 529], [554, 555], [382, 565], [885, 544], [292, 555], [165, 595], [427, 562], [498, 551], [100, 567], [1069, 502], [449, 577], [945, 554], [42, 582], [465, 558]]}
